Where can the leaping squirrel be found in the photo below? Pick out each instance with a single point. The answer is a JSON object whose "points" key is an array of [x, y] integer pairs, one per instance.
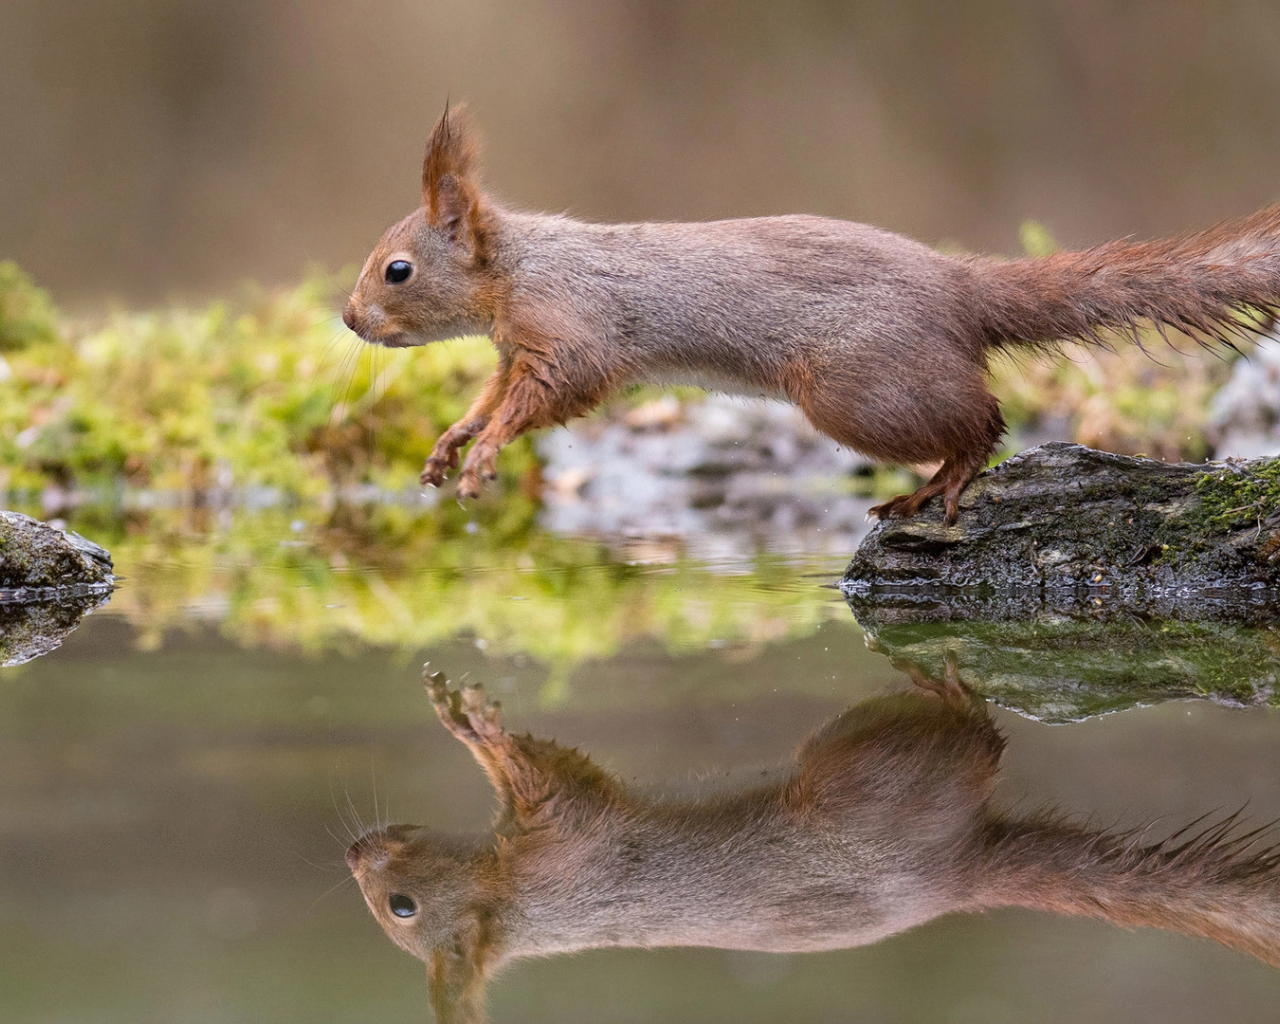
{"points": [[884, 823], [881, 341]]}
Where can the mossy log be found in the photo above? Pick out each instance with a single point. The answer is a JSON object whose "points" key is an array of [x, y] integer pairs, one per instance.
{"points": [[1063, 518], [1077, 583]]}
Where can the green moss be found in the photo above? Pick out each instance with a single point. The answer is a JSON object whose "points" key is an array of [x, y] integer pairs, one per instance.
{"points": [[409, 577], [269, 392], [1062, 668], [27, 316], [1238, 495]]}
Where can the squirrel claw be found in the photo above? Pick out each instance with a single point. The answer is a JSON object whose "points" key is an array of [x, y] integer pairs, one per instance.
{"points": [[433, 474], [476, 706], [437, 683]]}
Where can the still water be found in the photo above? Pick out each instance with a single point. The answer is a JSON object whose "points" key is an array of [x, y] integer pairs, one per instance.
{"points": [[179, 780]]}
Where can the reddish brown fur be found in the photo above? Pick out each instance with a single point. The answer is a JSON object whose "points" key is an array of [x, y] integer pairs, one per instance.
{"points": [[884, 822], [881, 341]]}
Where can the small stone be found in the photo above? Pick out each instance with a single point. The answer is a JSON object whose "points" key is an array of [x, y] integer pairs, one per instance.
{"points": [[49, 580], [41, 561]]}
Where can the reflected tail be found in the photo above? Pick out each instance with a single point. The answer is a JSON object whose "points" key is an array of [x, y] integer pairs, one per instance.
{"points": [[1218, 880]]}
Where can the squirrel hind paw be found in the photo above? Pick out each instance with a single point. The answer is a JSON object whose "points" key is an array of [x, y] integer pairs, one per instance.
{"points": [[904, 506]]}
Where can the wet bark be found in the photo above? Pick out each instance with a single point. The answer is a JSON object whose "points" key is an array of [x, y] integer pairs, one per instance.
{"points": [[1068, 660], [30, 629], [1063, 519], [1077, 582]]}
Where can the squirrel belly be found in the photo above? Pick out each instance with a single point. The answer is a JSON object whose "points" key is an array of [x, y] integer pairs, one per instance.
{"points": [[881, 341]]}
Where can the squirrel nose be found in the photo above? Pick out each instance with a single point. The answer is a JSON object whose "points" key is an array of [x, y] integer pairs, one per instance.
{"points": [[369, 845], [349, 318], [379, 845]]}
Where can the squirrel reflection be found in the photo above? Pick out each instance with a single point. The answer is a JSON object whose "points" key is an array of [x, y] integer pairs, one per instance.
{"points": [[885, 823]]}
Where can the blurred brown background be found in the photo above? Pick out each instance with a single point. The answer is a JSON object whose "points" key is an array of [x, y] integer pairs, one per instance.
{"points": [[159, 147]]}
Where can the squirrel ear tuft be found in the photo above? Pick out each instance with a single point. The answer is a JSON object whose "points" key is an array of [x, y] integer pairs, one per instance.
{"points": [[451, 152], [449, 190]]}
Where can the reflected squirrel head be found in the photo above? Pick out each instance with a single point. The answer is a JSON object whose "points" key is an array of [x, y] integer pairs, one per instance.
{"points": [[419, 885], [429, 277], [425, 889]]}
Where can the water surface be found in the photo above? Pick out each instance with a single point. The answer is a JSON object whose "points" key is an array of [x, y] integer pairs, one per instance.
{"points": [[178, 780]]}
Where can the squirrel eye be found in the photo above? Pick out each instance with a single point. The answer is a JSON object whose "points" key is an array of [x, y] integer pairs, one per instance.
{"points": [[398, 271], [402, 906]]}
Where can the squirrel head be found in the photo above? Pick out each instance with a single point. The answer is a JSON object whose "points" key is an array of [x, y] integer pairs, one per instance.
{"points": [[428, 279], [425, 890], [419, 884]]}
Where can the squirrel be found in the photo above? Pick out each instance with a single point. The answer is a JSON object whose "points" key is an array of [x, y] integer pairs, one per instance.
{"points": [[881, 341], [885, 822]]}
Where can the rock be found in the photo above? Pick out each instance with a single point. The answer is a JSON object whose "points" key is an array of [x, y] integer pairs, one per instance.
{"points": [[723, 472], [1067, 658], [1064, 518], [40, 563], [29, 629], [1077, 583], [49, 580], [1244, 417]]}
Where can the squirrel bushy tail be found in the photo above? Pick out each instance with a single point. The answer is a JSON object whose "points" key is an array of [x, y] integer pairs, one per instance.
{"points": [[1221, 883], [1198, 283]]}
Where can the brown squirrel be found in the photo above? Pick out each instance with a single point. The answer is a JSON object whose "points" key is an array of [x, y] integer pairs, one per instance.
{"points": [[885, 823], [882, 342]]}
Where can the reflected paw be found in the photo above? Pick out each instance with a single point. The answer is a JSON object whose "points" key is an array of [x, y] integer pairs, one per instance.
{"points": [[437, 684], [465, 712], [950, 687], [482, 715]]}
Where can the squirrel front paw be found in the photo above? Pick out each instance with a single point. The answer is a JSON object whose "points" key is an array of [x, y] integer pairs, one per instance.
{"points": [[479, 469], [464, 711], [434, 472], [469, 485], [443, 457]]}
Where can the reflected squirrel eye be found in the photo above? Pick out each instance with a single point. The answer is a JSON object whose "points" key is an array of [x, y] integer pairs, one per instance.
{"points": [[402, 906], [398, 271]]}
